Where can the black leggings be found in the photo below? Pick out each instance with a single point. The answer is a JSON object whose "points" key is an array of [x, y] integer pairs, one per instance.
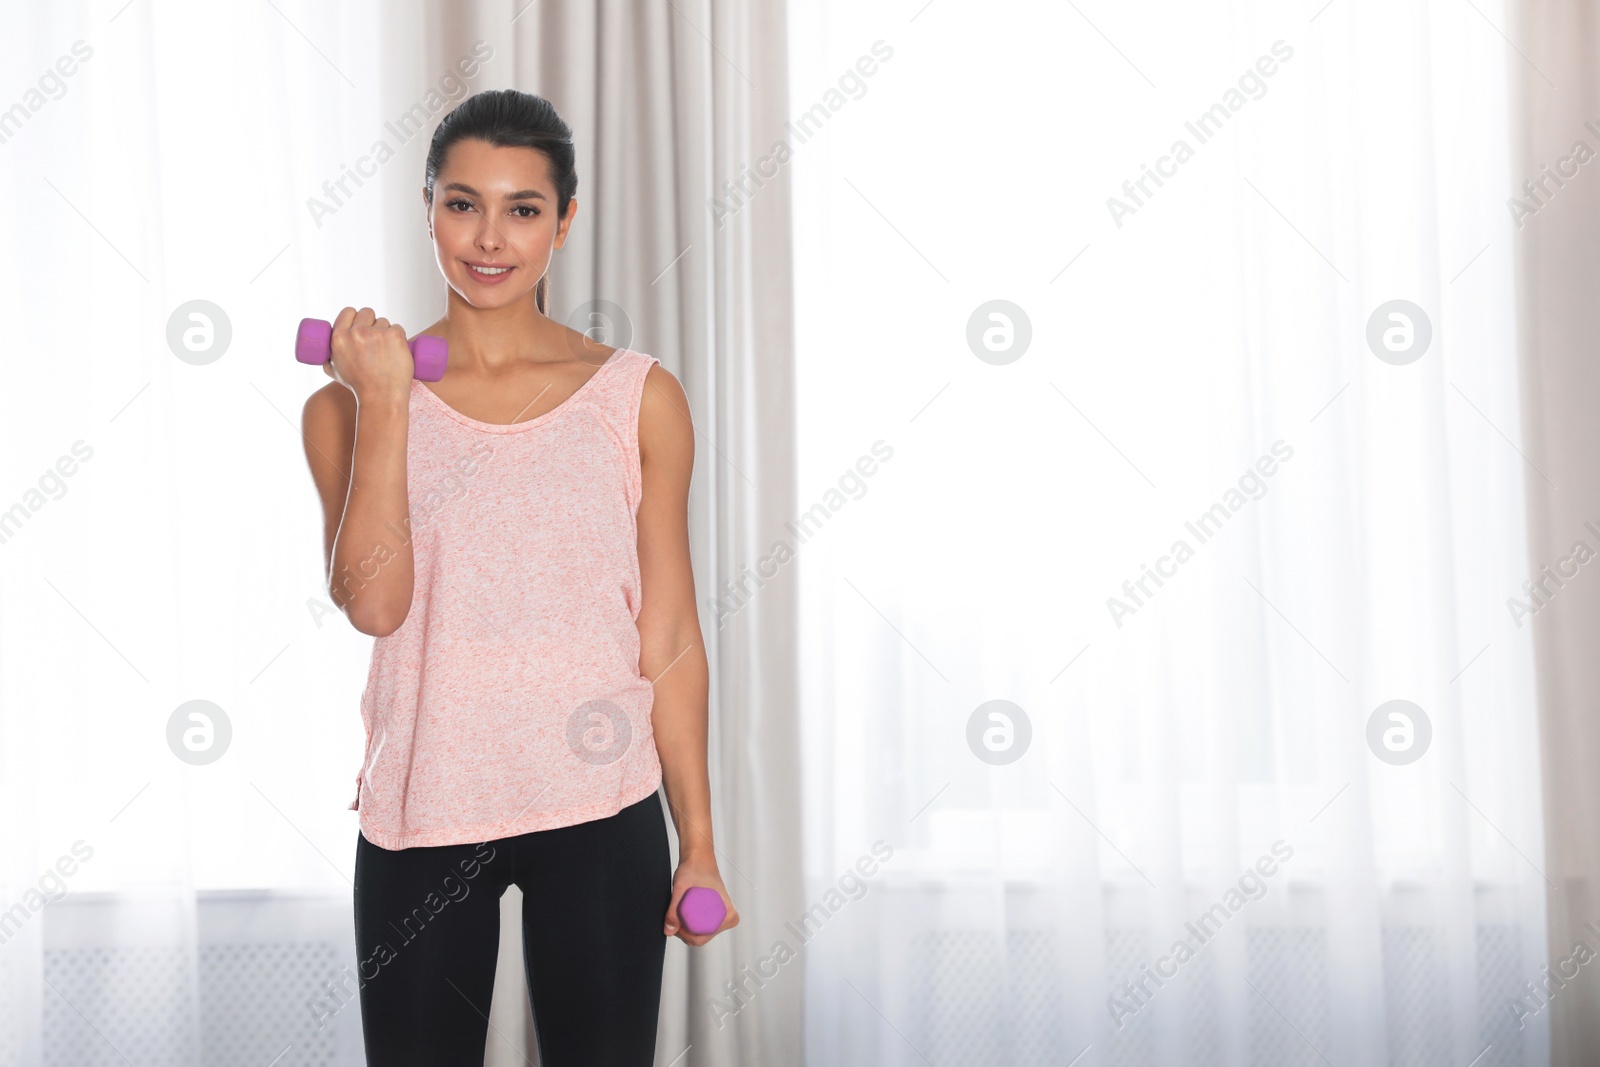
{"points": [[595, 895]]}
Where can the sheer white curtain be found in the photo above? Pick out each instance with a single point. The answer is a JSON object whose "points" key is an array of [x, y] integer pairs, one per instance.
{"points": [[160, 545], [1201, 349]]}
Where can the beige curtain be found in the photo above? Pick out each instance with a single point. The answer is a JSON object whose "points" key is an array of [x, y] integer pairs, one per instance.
{"points": [[669, 99], [1558, 257]]}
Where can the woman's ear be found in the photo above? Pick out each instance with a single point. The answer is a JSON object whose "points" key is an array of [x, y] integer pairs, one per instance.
{"points": [[566, 223]]}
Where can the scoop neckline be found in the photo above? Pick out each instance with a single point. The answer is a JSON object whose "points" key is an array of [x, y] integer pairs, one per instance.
{"points": [[525, 424]]}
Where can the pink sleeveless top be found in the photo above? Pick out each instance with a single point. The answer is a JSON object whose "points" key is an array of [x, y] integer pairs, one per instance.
{"points": [[510, 699]]}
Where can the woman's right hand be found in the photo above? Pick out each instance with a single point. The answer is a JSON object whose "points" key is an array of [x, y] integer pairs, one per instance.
{"points": [[369, 356]]}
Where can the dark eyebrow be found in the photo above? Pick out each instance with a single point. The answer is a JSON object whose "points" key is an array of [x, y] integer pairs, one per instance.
{"points": [[525, 194]]}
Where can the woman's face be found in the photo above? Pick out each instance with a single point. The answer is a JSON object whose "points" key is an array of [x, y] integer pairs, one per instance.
{"points": [[495, 208]]}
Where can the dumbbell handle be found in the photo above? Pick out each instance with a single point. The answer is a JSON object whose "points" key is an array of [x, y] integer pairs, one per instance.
{"points": [[313, 344], [701, 909]]}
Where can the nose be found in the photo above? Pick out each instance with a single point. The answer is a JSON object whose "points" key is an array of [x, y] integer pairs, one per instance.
{"points": [[489, 238]]}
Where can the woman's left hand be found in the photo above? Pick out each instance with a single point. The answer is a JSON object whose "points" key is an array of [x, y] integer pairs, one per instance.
{"points": [[690, 873]]}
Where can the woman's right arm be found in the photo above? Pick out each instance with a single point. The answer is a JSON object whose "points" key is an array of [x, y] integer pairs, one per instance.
{"points": [[355, 432]]}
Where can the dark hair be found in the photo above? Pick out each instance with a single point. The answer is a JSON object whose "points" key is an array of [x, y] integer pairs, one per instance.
{"points": [[510, 118]]}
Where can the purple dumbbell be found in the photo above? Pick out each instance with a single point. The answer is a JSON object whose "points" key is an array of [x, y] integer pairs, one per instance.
{"points": [[313, 345], [701, 909]]}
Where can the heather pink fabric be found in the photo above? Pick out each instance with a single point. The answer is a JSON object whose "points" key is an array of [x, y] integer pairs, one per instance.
{"points": [[510, 699]]}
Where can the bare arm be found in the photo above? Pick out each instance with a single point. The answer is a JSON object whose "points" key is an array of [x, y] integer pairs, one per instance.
{"points": [[355, 441], [672, 650]]}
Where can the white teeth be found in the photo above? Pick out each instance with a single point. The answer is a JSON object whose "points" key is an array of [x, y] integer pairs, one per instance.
{"points": [[489, 270]]}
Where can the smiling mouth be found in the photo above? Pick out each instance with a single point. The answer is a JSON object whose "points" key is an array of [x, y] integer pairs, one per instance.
{"points": [[489, 272]]}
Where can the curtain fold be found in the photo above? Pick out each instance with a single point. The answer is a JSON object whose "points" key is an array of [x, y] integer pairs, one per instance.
{"points": [[1552, 207]]}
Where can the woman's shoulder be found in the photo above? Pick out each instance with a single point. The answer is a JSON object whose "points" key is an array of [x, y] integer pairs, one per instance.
{"points": [[626, 365], [663, 406], [332, 407]]}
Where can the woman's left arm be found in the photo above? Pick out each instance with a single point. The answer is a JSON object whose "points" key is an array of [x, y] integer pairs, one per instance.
{"points": [[672, 650]]}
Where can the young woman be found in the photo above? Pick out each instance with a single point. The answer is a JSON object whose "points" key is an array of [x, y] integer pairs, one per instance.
{"points": [[516, 538]]}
